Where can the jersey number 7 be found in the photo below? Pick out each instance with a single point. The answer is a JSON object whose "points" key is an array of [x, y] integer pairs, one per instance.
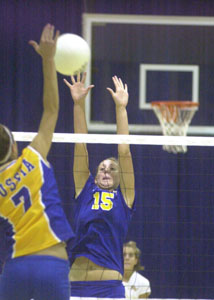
{"points": [[23, 195]]}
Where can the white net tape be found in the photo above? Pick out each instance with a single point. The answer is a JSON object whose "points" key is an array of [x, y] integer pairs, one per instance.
{"points": [[174, 121], [121, 139]]}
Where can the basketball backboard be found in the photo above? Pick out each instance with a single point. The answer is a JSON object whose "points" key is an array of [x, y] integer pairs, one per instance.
{"points": [[159, 57]]}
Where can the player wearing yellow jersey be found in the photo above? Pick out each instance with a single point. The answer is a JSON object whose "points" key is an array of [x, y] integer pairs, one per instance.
{"points": [[33, 226]]}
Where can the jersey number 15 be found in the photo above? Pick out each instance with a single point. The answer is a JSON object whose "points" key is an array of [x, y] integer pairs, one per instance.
{"points": [[103, 200]]}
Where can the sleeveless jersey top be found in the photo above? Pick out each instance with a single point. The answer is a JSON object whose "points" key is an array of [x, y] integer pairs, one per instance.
{"points": [[31, 215], [101, 222]]}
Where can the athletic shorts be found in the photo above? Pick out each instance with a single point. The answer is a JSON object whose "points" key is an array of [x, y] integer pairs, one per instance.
{"points": [[35, 277], [112, 289]]}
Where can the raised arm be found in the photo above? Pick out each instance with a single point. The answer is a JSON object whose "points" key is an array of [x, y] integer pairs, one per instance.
{"points": [[127, 181], [80, 167], [47, 48]]}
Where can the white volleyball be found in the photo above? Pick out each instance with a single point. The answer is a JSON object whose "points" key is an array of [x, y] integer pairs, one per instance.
{"points": [[72, 54]]}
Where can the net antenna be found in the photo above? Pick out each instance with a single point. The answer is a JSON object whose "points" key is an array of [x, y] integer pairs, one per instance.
{"points": [[174, 118]]}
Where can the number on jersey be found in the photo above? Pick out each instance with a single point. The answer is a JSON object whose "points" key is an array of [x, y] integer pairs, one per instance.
{"points": [[22, 196], [103, 200]]}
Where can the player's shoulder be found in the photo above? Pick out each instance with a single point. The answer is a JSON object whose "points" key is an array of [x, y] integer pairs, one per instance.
{"points": [[30, 152], [87, 189]]}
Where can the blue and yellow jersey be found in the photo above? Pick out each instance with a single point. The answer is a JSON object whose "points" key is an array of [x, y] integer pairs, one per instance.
{"points": [[101, 222], [31, 215]]}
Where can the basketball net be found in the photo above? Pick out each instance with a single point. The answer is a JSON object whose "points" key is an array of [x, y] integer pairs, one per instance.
{"points": [[174, 118]]}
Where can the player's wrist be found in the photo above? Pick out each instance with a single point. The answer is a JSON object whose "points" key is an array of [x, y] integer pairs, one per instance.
{"points": [[120, 107], [47, 58], [80, 101]]}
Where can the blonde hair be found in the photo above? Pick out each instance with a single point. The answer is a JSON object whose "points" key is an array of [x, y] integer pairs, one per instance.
{"points": [[6, 142], [137, 252]]}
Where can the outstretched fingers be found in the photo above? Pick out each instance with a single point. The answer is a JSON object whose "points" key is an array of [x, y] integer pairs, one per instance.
{"points": [[83, 77], [73, 79], [56, 36], [115, 81], [47, 32], [76, 86], [47, 45], [67, 83], [118, 83], [51, 32], [110, 91], [34, 45], [78, 77], [121, 83], [126, 88], [90, 87]]}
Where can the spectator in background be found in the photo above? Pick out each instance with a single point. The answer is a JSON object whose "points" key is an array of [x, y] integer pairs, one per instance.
{"points": [[136, 285]]}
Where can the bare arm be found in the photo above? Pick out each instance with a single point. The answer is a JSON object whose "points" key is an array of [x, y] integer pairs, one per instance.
{"points": [[80, 167], [127, 181], [47, 48]]}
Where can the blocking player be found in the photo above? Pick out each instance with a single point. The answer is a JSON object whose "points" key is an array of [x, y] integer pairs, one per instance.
{"points": [[33, 226], [104, 204]]}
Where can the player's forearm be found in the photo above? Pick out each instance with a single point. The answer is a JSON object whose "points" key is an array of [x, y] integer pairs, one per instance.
{"points": [[122, 128], [80, 149], [122, 120], [51, 93], [80, 125]]}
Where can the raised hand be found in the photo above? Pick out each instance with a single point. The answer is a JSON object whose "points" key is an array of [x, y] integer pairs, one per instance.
{"points": [[77, 88], [47, 45], [120, 96]]}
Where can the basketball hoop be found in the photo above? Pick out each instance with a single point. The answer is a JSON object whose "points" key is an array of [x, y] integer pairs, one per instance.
{"points": [[174, 118]]}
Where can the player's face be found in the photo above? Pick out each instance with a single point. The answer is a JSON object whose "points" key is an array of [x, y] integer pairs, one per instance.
{"points": [[130, 259], [108, 176]]}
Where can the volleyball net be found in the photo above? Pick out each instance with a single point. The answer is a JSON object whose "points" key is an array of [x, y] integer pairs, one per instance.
{"points": [[120, 139], [173, 223]]}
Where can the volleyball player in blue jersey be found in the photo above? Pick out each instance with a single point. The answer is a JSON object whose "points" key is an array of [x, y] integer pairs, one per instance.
{"points": [[104, 204], [33, 226]]}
